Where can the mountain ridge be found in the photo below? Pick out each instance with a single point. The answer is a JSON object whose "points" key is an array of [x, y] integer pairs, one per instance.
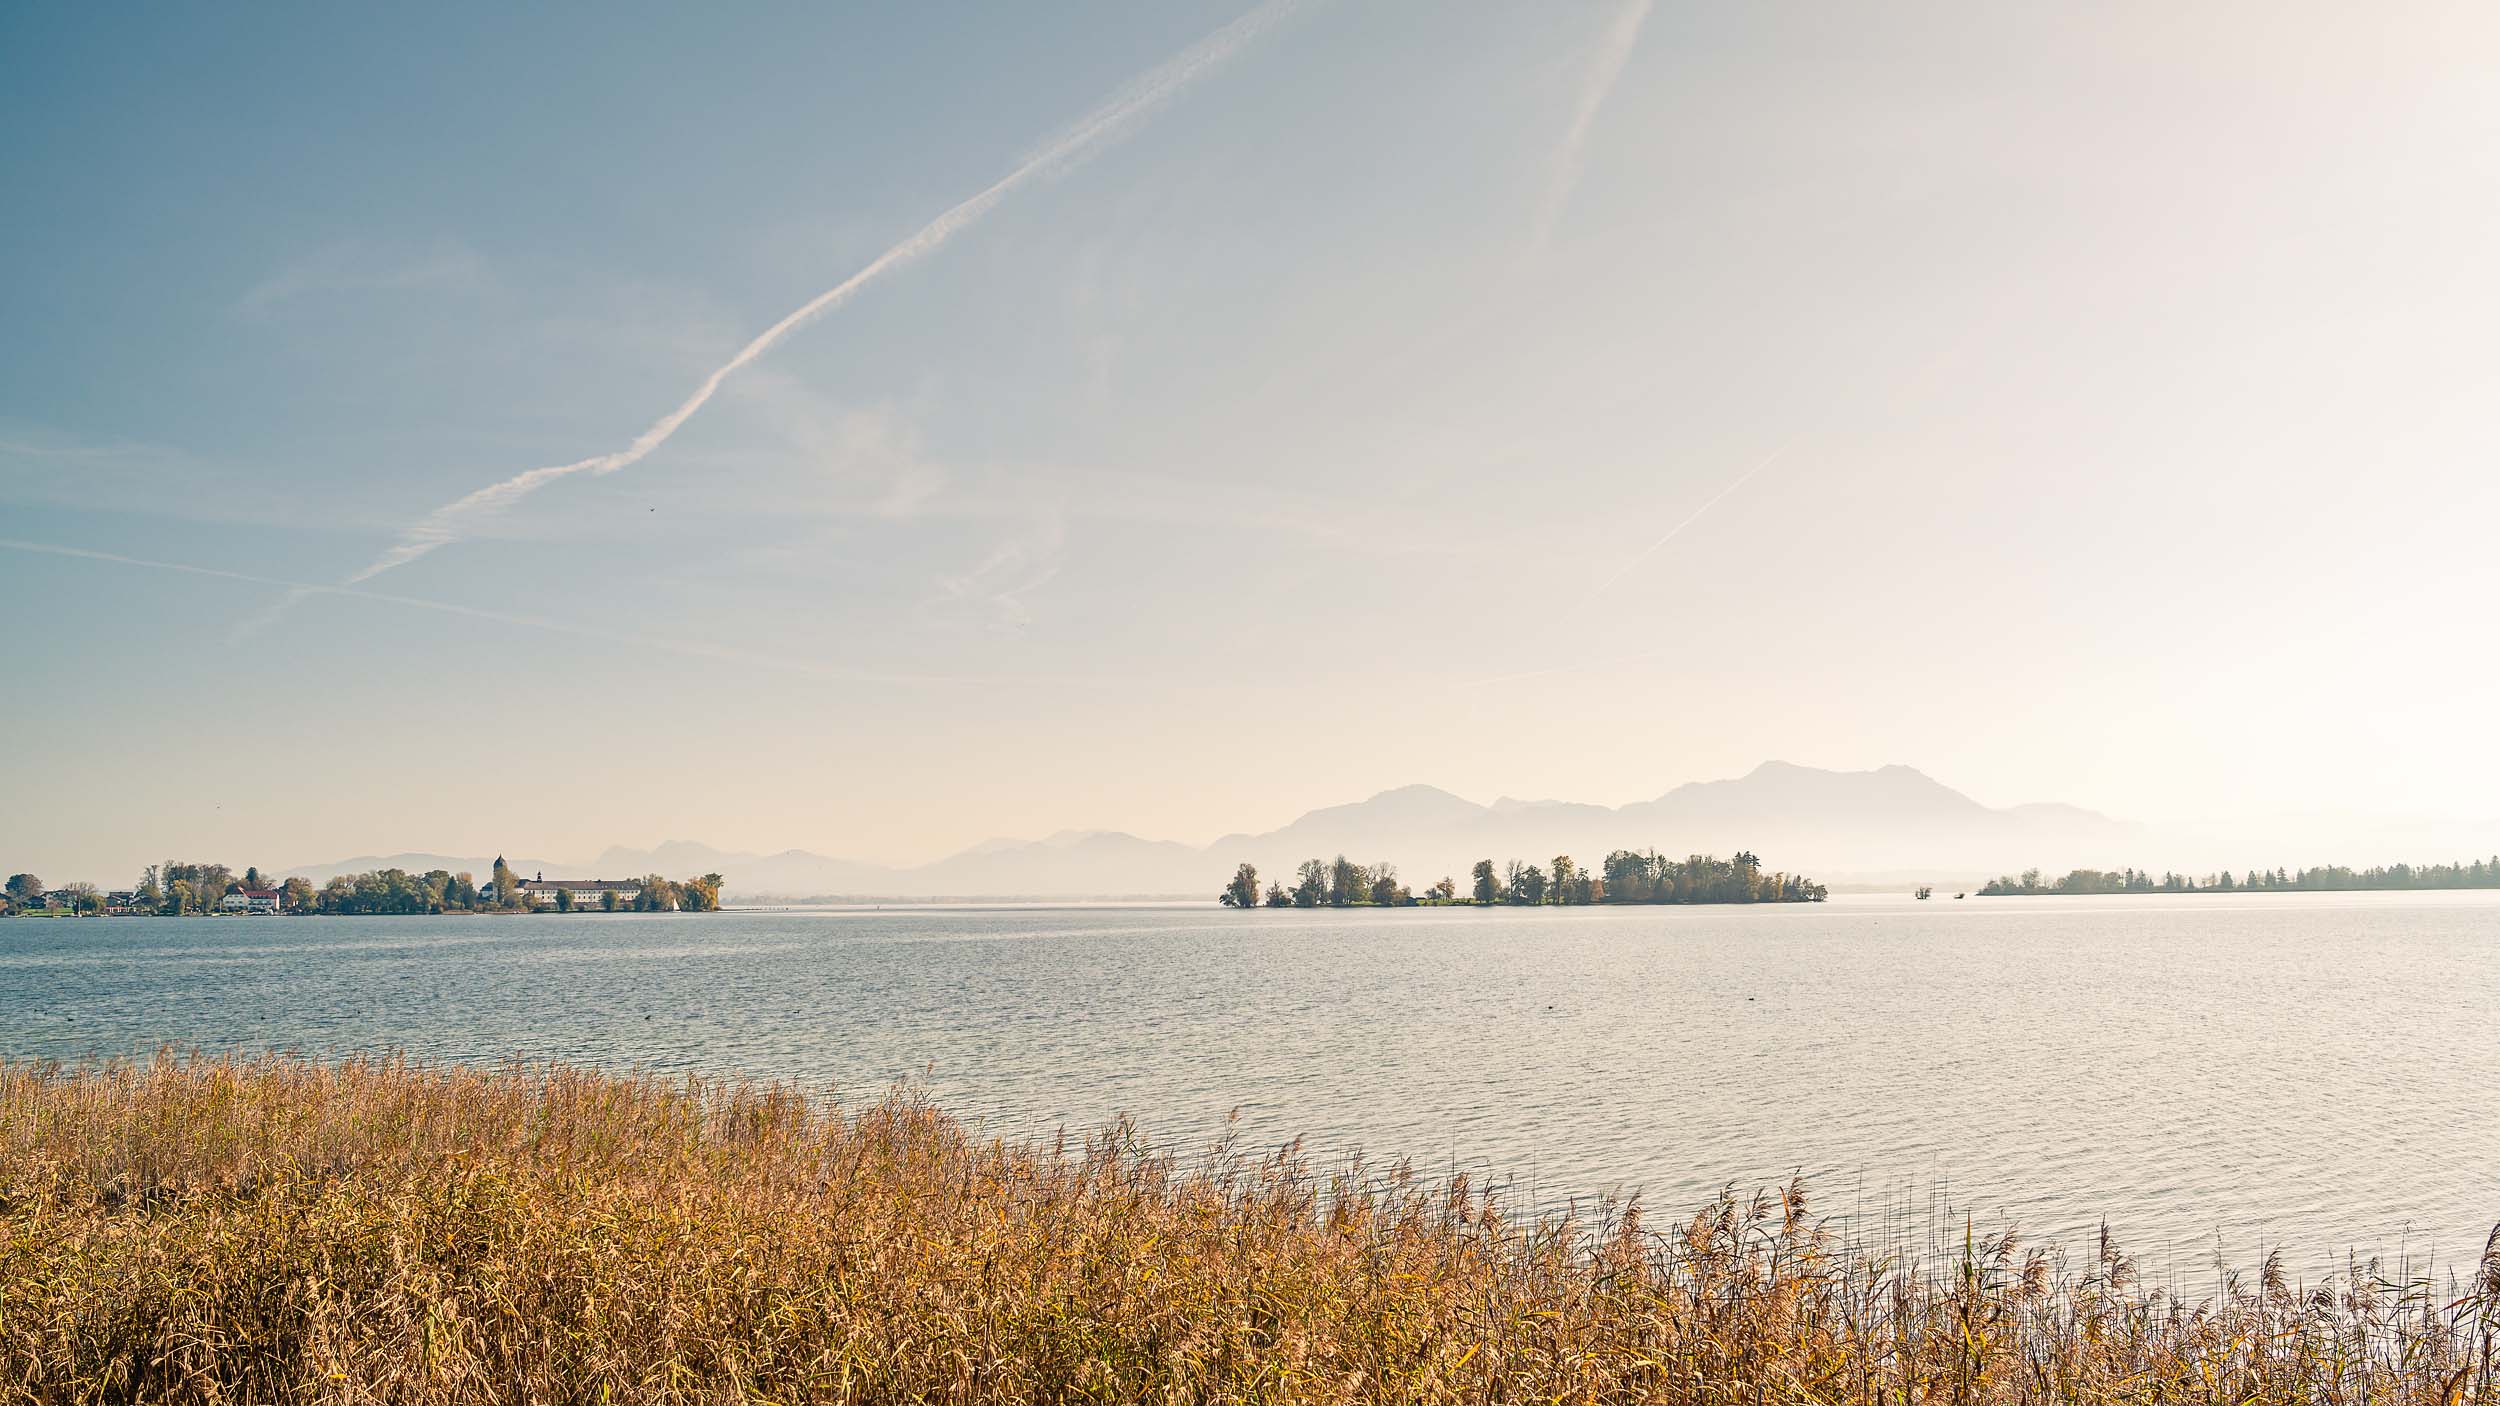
{"points": [[1890, 819]]}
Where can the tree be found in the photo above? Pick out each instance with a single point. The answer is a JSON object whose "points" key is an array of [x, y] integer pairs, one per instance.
{"points": [[251, 877], [658, 895], [1310, 888], [336, 896], [507, 884], [1527, 883], [1277, 897], [564, 900], [700, 894], [298, 895], [1346, 882], [83, 898], [1385, 888], [208, 883], [1630, 877], [1243, 891], [26, 889], [1488, 889], [1571, 883]]}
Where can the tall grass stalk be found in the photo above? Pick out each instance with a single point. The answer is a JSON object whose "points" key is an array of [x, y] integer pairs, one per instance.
{"points": [[281, 1230]]}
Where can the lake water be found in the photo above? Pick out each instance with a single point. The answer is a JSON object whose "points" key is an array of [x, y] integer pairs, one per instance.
{"points": [[2317, 1071]]}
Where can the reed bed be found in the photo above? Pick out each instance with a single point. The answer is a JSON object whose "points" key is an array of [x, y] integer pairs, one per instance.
{"points": [[282, 1230]]}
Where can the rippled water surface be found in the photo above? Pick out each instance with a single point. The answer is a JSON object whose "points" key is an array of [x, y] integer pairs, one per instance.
{"points": [[2313, 1071]]}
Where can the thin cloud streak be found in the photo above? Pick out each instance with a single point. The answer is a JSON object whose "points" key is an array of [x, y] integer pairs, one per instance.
{"points": [[301, 590], [1018, 566], [40, 451], [347, 269], [268, 615], [1670, 534], [442, 525], [1627, 569], [1614, 49], [1588, 668]]}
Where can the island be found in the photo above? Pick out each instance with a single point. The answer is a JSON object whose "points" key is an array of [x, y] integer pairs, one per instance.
{"points": [[1627, 876]]}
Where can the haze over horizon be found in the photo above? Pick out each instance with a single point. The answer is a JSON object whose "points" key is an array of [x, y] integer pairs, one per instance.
{"points": [[1238, 410], [1880, 828]]}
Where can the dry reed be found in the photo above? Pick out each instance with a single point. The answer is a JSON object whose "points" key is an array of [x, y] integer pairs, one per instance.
{"points": [[280, 1230]]}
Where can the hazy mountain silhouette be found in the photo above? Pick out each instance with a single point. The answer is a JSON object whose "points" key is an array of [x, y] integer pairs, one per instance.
{"points": [[1834, 825], [794, 872]]}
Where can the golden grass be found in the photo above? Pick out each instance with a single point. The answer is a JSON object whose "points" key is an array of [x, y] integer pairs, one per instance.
{"points": [[278, 1230]]}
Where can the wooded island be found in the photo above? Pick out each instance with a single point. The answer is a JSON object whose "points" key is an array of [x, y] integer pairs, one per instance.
{"points": [[177, 889], [1627, 876]]}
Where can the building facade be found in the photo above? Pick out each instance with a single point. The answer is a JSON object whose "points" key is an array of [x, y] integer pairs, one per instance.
{"points": [[543, 892], [253, 901]]}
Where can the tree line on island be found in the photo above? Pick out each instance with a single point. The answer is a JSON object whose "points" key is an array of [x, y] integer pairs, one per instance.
{"points": [[1627, 876], [177, 889], [2326, 878]]}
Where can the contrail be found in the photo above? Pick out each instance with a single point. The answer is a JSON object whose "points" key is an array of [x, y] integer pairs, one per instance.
{"points": [[1669, 535], [1157, 86], [1625, 570], [299, 590], [1613, 50], [1574, 668], [267, 615]]}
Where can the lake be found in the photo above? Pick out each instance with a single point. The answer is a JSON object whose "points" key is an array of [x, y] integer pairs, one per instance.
{"points": [[2318, 1072]]}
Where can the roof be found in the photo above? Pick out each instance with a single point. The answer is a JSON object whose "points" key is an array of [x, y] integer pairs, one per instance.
{"points": [[258, 893], [551, 885]]}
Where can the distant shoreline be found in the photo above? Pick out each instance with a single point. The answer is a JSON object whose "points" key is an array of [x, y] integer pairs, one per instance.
{"points": [[2332, 878], [179, 889]]}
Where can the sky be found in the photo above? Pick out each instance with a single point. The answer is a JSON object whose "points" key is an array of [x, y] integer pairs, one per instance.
{"points": [[1288, 402]]}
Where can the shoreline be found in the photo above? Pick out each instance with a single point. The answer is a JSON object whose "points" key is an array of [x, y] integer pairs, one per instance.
{"points": [[1842, 899]]}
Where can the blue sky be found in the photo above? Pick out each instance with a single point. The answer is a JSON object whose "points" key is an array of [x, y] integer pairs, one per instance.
{"points": [[1314, 433]]}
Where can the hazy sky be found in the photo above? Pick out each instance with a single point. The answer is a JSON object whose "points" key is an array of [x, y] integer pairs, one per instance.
{"points": [[2089, 405]]}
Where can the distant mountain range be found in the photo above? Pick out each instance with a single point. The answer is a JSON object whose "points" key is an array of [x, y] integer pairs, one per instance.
{"points": [[1891, 823]]}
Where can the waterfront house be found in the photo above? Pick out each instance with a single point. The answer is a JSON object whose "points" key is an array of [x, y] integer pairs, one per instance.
{"points": [[586, 893], [253, 901]]}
